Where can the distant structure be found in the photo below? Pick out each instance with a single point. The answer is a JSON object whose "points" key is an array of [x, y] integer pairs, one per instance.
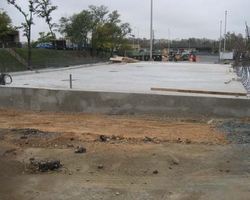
{"points": [[11, 39]]}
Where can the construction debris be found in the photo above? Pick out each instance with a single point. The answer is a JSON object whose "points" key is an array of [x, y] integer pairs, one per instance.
{"points": [[119, 59]]}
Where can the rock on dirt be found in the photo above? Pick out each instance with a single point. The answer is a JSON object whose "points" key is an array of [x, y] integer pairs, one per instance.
{"points": [[80, 149], [103, 138], [45, 164]]}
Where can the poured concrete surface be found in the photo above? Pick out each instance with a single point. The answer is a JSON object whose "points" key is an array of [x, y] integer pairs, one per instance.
{"points": [[136, 78], [127, 89]]}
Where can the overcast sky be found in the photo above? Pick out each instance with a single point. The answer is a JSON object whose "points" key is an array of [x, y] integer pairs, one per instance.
{"points": [[183, 18]]}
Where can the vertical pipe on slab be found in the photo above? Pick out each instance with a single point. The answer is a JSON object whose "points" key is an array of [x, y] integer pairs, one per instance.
{"points": [[70, 81]]}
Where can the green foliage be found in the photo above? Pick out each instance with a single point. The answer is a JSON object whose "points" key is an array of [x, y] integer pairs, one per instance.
{"points": [[5, 23], [9, 63], [44, 58], [80, 26], [198, 42], [28, 17], [123, 48], [236, 42], [45, 37], [104, 30], [44, 8]]}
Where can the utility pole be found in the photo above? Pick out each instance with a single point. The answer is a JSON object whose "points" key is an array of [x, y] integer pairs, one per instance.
{"points": [[220, 41], [138, 38], [168, 40], [151, 32], [225, 33]]}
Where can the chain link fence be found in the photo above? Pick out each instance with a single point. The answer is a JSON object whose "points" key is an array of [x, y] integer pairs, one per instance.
{"points": [[15, 66], [63, 62], [242, 68]]}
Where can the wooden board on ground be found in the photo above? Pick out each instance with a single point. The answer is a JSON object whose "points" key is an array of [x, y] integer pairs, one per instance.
{"points": [[200, 91], [123, 59]]}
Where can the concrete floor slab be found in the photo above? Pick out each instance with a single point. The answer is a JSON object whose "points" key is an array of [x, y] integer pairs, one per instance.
{"points": [[136, 78]]}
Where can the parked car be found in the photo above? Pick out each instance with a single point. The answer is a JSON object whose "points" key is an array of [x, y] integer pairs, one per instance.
{"points": [[44, 46], [70, 47]]}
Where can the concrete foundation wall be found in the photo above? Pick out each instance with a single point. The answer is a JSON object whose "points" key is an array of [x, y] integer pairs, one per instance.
{"points": [[121, 103]]}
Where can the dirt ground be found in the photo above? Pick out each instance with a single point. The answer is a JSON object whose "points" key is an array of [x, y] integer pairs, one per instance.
{"points": [[127, 157]]}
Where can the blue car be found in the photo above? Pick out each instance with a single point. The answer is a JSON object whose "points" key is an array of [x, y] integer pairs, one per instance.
{"points": [[44, 46]]}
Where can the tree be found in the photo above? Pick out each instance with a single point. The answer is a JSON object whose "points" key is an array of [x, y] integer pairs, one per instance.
{"points": [[45, 37], [44, 10], [236, 42], [115, 31], [105, 30], [240, 46], [64, 22], [27, 25], [98, 42], [5, 23], [123, 48], [41, 8], [77, 27]]}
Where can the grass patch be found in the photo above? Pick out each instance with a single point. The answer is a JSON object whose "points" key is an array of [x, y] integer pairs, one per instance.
{"points": [[48, 58], [8, 63]]}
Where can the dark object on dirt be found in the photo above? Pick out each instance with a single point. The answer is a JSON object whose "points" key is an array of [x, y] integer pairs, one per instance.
{"points": [[32, 134], [179, 140], [175, 162], [49, 164], [71, 139], [148, 139], [155, 172], [113, 137], [80, 149], [103, 138], [100, 166], [188, 141]]}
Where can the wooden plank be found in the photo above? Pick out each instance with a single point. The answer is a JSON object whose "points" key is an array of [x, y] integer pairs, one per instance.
{"points": [[118, 58], [200, 91]]}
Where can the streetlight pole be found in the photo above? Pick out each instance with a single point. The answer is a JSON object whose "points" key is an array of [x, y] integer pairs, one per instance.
{"points": [[151, 31], [138, 37], [133, 41], [168, 40], [225, 32], [220, 41]]}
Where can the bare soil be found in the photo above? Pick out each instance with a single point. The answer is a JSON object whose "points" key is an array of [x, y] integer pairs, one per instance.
{"points": [[127, 157]]}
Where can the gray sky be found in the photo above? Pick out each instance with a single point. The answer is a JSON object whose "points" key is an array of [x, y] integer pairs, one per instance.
{"points": [[184, 18]]}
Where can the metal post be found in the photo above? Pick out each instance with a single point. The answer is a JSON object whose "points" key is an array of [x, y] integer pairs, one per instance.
{"points": [[225, 32], [220, 41], [70, 81], [168, 40], [151, 32], [133, 42], [138, 37]]}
